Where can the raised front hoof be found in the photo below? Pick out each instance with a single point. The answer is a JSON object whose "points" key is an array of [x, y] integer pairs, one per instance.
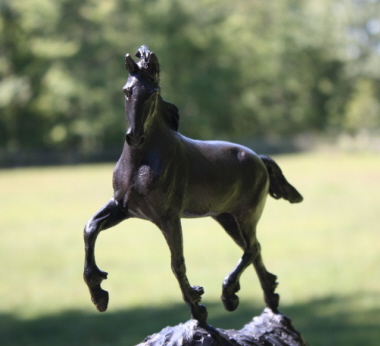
{"points": [[273, 302], [199, 313], [230, 303], [101, 300]]}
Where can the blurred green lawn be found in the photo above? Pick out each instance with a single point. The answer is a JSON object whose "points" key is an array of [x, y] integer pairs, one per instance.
{"points": [[325, 251]]}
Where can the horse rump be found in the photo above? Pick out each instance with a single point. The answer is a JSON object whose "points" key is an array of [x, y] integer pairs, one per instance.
{"points": [[278, 185]]}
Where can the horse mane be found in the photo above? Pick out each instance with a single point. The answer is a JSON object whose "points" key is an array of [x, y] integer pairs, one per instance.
{"points": [[149, 63], [170, 113]]}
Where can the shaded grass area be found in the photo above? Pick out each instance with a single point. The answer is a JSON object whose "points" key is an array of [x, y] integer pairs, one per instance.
{"points": [[327, 321], [325, 252]]}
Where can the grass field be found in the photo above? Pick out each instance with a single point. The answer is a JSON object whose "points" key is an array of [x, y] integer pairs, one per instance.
{"points": [[325, 251]]}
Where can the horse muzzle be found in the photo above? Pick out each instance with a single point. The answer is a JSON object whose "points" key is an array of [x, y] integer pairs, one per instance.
{"points": [[133, 140]]}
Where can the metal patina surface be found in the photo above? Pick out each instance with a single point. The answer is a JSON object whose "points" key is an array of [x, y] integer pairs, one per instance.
{"points": [[163, 176]]}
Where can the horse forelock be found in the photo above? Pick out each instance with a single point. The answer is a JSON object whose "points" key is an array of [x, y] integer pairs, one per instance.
{"points": [[148, 62], [143, 54]]}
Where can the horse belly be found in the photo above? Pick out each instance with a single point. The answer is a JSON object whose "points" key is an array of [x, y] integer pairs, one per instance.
{"points": [[215, 196]]}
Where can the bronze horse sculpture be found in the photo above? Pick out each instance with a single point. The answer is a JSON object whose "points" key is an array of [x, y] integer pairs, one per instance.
{"points": [[162, 176]]}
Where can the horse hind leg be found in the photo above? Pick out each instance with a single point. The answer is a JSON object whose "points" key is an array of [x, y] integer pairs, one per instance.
{"points": [[244, 234], [109, 216], [268, 281], [231, 283]]}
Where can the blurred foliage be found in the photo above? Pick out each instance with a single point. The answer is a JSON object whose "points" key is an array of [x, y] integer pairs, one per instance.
{"points": [[234, 69]]}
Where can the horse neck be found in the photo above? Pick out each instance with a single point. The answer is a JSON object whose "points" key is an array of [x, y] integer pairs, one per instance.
{"points": [[168, 112], [160, 124]]}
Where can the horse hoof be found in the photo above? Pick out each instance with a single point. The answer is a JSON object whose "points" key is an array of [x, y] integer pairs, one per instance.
{"points": [[101, 301], [231, 302]]}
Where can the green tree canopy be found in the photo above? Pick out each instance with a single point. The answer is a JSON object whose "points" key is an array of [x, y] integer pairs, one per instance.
{"points": [[234, 69]]}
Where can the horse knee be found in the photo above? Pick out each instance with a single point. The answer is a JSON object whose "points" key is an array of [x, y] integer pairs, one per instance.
{"points": [[109, 216]]}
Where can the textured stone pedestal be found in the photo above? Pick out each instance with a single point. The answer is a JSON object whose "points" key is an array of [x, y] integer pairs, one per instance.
{"points": [[268, 329]]}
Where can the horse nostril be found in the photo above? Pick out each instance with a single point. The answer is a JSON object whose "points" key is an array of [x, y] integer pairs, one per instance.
{"points": [[128, 138], [142, 140], [127, 92]]}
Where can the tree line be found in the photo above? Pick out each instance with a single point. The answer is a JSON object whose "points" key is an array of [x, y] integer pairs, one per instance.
{"points": [[241, 69]]}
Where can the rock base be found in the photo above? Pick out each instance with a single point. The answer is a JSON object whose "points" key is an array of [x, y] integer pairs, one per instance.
{"points": [[268, 329]]}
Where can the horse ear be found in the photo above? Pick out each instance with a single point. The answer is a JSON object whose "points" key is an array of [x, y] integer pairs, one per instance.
{"points": [[130, 64], [153, 64]]}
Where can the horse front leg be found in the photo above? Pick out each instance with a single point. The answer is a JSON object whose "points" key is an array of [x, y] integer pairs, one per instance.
{"points": [[109, 216], [192, 295]]}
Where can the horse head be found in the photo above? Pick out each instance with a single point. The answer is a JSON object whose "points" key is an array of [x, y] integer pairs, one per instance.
{"points": [[141, 91]]}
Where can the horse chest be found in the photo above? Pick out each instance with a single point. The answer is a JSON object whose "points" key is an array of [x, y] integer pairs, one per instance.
{"points": [[143, 198], [145, 186], [144, 180]]}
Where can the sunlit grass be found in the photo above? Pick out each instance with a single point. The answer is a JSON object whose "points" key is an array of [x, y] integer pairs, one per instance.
{"points": [[326, 249]]}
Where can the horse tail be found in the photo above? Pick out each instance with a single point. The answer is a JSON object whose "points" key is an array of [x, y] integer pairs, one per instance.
{"points": [[278, 185]]}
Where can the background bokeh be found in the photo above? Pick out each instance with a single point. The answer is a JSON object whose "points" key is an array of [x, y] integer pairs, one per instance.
{"points": [[279, 73], [299, 80]]}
